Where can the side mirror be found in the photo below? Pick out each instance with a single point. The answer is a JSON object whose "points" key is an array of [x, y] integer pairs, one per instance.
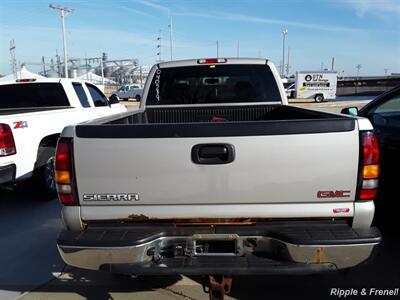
{"points": [[114, 99], [352, 111]]}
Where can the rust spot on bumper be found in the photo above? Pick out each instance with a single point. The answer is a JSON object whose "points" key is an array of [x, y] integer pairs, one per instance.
{"points": [[319, 256], [138, 218]]}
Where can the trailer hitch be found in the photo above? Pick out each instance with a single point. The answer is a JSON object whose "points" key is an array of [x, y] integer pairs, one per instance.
{"points": [[217, 286]]}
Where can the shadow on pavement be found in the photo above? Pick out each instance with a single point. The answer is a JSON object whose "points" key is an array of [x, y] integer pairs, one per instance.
{"points": [[30, 260], [100, 285], [28, 230]]}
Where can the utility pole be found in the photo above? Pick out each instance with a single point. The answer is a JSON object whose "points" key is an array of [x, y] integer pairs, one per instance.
{"points": [[333, 63], [217, 49], [358, 67], [170, 36], [64, 11], [287, 65], [237, 49], [86, 67], [102, 70], [159, 46], [284, 34], [13, 59], [58, 64], [141, 76], [52, 64], [44, 66]]}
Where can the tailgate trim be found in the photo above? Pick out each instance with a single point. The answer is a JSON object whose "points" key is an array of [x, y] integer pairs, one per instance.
{"points": [[179, 130], [192, 211]]}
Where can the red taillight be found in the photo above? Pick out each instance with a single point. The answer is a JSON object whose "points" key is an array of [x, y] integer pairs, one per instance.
{"points": [[7, 144], [26, 80], [63, 161], [212, 61], [369, 171], [66, 199], [368, 194], [370, 149], [64, 173]]}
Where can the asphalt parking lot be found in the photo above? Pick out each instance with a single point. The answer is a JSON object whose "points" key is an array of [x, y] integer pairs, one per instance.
{"points": [[32, 269]]}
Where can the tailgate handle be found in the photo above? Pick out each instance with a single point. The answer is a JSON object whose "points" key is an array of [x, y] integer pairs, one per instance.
{"points": [[213, 154]]}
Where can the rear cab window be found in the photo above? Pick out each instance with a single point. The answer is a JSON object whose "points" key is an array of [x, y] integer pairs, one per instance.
{"points": [[80, 92], [99, 99], [31, 95], [208, 84]]}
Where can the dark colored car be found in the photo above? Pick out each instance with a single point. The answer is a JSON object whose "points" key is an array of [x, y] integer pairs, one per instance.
{"points": [[384, 114]]}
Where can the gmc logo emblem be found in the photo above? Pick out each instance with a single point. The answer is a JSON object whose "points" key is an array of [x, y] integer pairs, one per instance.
{"points": [[333, 194]]}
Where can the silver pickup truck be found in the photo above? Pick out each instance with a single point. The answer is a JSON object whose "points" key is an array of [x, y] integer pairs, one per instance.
{"points": [[216, 174]]}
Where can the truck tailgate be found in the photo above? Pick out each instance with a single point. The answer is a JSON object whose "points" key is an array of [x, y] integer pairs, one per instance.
{"points": [[309, 168]]}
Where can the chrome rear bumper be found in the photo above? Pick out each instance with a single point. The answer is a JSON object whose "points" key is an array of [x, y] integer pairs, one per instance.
{"points": [[187, 253]]}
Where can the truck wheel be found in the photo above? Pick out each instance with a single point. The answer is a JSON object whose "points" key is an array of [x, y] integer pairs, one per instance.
{"points": [[137, 97], [43, 175], [292, 94], [319, 98]]}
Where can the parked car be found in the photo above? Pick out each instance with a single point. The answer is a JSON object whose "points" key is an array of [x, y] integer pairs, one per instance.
{"points": [[129, 91], [33, 113], [216, 174], [384, 114]]}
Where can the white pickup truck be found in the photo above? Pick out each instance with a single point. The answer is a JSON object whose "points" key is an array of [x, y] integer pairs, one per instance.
{"points": [[129, 91], [32, 116], [216, 174]]}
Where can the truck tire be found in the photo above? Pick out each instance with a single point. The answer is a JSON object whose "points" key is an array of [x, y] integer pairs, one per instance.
{"points": [[137, 97], [292, 94], [319, 98], [43, 175]]}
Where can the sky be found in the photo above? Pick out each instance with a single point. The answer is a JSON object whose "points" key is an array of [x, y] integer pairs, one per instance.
{"points": [[365, 32]]}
